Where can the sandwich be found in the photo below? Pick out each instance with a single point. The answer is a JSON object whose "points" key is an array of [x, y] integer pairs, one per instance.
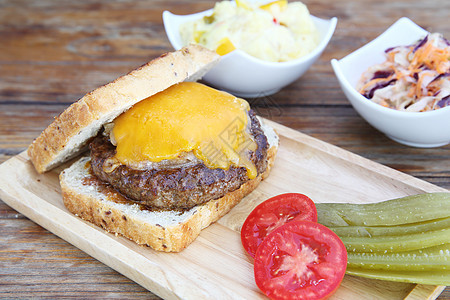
{"points": [[159, 155]]}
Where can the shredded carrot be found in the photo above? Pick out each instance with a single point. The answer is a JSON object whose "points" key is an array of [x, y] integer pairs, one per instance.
{"points": [[391, 56], [432, 57], [384, 103], [419, 82]]}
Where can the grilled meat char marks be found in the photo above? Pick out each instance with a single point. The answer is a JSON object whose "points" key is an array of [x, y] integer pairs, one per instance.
{"points": [[176, 187]]}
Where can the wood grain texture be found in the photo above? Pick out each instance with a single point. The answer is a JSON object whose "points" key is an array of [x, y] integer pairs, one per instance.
{"points": [[53, 52]]}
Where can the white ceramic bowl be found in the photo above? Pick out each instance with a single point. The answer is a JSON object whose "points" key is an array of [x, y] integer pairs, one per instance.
{"points": [[417, 129], [244, 75]]}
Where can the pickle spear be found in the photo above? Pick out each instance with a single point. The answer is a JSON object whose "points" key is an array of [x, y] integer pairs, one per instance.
{"points": [[410, 209], [433, 258], [434, 277], [368, 231], [397, 243]]}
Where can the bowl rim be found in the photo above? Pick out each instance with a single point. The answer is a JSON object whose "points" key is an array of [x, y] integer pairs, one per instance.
{"points": [[336, 65], [331, 26]]}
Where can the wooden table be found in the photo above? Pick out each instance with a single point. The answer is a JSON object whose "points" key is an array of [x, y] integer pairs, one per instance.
{"points": [[53, 52]]}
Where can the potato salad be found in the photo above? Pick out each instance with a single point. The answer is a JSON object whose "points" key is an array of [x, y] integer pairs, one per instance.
{"points": [[277, 31]]}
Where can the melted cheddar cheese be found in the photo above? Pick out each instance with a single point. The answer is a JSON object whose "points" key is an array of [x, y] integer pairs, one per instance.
{"points": [[187, 117]]}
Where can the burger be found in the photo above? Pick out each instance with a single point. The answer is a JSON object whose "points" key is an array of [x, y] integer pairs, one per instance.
{"points": [[162, 156]]}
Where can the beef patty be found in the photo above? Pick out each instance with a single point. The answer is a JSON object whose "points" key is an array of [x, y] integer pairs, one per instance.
{"points": [[176, 187]]}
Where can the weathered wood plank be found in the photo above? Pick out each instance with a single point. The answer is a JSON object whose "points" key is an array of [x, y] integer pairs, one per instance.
{"points": [[36, 263]]}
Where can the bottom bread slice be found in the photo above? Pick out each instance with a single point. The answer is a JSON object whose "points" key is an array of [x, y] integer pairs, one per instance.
{"points": [[170, 231]]}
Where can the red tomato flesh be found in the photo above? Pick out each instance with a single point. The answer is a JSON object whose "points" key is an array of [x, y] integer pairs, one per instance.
{"points": [[300, 260], [273, 213]]}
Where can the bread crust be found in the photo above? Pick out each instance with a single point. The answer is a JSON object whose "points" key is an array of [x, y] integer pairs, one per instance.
{"points": [[68, 134], [172, 238]]}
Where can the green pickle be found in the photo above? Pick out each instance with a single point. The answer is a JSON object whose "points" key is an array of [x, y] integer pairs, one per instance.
{"points": [[367, 231], [405, 239], [397, 243], [410, 209], [421, 277], [432, 258]]}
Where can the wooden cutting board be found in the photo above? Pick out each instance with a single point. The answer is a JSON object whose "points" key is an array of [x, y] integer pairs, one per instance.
{"points": [[215, 266]]}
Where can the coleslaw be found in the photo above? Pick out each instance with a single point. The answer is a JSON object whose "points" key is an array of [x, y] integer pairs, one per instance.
{"points": [[413, 78]]}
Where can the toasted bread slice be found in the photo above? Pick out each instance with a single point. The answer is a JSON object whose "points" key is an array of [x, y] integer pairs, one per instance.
{"points": [[69, 133], [169, 231]]}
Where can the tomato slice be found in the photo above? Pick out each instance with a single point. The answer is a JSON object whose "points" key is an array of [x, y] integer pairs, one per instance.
{"points": [[300, 260], [273, 213]]}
